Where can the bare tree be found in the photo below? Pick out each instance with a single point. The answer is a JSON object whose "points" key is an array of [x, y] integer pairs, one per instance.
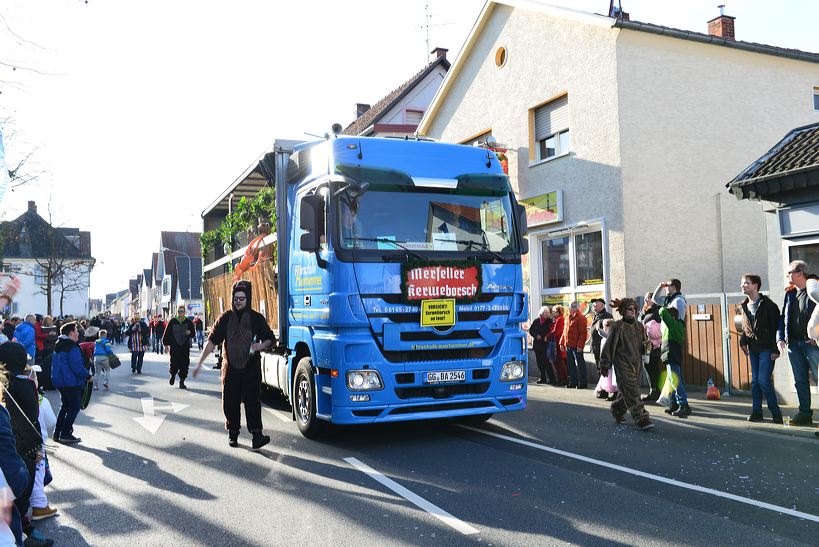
{"points": [[21, 170], [74, 278], [53, 265]]}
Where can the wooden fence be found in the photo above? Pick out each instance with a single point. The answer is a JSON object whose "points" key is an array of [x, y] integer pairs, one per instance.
{"points": [[265, 299], [703, 353]]}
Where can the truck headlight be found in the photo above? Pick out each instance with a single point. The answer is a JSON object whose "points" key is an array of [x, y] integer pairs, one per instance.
{"points": [[364, 380], [513, 370]]}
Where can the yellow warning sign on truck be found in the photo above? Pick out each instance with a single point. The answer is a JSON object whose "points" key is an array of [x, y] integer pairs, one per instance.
{"points": [[438, 313]]}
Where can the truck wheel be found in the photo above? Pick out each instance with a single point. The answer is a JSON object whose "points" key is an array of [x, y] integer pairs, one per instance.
{"points": [[304, 401]]}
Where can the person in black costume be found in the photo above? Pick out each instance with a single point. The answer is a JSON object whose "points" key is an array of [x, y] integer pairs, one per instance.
{"points": [[243, 333], [177, 340]]}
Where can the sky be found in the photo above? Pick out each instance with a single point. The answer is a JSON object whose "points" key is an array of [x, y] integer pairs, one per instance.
{"points": [[138, 113]]}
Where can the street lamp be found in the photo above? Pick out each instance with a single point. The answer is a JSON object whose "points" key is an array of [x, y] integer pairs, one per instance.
{"points": [[190, 268]]}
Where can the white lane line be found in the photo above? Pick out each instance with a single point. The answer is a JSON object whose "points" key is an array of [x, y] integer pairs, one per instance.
{"points": [[434, 510], [658, 478], [279, 415]]}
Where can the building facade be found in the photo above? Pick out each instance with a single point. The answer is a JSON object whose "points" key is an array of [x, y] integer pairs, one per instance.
{"points": [[50, 266], [619, 137]]}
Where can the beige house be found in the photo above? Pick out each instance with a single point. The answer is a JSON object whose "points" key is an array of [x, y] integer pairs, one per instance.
{"points": [[620, 136]]}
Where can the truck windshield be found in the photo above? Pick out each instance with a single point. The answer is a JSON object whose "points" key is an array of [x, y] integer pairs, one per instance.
{"points": [[391, 213]]}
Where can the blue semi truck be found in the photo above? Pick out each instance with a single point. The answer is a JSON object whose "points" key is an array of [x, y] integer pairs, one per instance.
{"points": [[400, 282]]}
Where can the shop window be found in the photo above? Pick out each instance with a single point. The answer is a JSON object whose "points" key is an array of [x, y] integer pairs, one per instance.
{"points": [[572, 268], [588, 252], [555, 254]]}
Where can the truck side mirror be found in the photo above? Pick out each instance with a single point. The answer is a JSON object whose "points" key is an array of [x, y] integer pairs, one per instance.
{"points": [[524, 228], [311, 220]]}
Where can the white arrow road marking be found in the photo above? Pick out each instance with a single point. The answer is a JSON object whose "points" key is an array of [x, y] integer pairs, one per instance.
{"points": [[434, 510], [175, 407], [151, 423], [150, 420], [279, 415]]}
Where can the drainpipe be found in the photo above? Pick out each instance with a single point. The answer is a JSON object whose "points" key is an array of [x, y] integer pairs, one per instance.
{"points": [[723, 303]]}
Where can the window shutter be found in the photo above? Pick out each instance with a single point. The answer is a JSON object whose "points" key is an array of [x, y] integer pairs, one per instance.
{"points": [[414, 116], [551, 118]]}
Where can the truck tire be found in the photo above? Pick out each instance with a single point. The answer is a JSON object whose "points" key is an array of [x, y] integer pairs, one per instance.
{"points": [[304, 401]]}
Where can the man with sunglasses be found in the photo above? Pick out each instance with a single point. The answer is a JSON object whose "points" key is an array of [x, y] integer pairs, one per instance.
{"points": [[243, 334], [793, 338], [177, 340]]}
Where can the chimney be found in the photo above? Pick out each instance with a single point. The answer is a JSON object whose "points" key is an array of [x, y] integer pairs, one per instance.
{"points": [[722, 26], [439, 52], [32, 207], [360, 109]]}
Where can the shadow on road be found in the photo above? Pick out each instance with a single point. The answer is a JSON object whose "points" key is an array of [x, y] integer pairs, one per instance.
{"points": [[145, 470]]}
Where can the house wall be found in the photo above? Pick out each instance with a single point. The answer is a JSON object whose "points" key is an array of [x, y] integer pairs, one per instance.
{"points": [[692, 116], [418, 98], [547, 56], [30, 299]]}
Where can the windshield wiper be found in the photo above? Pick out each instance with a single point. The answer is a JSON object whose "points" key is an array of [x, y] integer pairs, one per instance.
{"points": [[484, 246], [387, 240]]}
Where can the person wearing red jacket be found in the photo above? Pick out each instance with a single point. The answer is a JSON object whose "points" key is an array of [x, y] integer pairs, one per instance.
{"points": [[573, 339], [555, 332], [39, 336]]}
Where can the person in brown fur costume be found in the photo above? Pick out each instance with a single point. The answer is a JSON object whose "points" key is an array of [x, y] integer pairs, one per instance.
{"points": [[243, 334], [623, 350]]}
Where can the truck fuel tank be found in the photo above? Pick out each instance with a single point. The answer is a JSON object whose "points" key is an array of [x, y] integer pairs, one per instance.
{"points": [[274, 371]]}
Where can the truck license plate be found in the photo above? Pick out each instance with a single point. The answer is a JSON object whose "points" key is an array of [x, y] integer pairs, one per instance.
{"points": [[445, 376]]}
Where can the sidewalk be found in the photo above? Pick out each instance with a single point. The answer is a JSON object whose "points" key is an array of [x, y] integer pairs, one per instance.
{"points": [[729, 412]]}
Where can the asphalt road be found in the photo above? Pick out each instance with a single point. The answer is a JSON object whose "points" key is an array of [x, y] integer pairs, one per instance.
{"points": [[560, 472]]}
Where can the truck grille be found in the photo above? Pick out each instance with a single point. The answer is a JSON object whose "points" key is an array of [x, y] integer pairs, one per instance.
{"points": [[421, 356], [441, 406], [424, 336], [441, 392]]}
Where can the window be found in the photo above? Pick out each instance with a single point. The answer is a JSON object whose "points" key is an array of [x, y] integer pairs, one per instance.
{"points": [[551, 131], [816, 98], [39, 275], [572, 267], [413, 116], [500, 57], [808, 252], [588, 257], [555, 254], [478, 140]]}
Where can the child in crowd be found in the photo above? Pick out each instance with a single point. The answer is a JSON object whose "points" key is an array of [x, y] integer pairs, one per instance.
{"points": [[606, 385]]}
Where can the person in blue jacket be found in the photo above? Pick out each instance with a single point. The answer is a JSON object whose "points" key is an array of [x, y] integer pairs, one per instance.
{"points": [[24, 334], [69, 376], [12, 465]]}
